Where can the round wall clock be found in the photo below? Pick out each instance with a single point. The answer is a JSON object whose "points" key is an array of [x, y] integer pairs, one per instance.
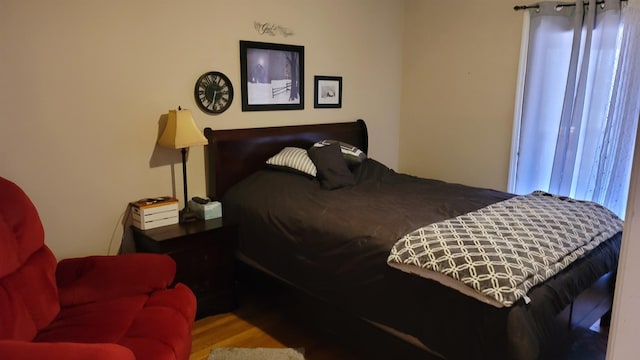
{"points": [[213, 92]]}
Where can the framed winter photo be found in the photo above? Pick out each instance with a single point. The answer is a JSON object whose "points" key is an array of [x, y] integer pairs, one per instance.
{"points": [[271, 76]]}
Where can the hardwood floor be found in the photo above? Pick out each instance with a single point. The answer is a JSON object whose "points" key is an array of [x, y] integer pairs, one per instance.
{"points": [[275, 319], [263, 322], [268, 318]]}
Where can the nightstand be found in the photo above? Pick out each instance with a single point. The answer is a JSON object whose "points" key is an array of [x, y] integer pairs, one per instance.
{"points": [[204, 251]]}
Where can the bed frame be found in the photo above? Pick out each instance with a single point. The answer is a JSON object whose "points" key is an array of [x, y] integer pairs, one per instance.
{"points": [[232, 155], [235, 154]]}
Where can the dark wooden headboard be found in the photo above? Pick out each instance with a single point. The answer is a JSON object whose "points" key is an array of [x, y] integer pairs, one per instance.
{"points": [[232, 155]]}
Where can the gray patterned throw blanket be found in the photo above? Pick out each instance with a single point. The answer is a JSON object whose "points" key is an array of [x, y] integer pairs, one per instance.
{"points": [[497, 253]]}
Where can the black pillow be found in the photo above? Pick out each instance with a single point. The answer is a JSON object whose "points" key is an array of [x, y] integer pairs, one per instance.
{"points": [[333, 171], [351, 154]]}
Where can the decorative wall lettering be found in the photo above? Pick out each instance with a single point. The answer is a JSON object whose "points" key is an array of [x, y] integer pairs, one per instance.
{"points": [[272, 29]]}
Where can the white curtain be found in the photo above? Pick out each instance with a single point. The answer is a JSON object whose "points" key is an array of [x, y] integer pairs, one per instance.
{"points": [[578, 109]]}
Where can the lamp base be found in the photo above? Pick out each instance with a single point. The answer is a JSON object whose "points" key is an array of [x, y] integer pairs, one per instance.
{"points": [[187, 216]]}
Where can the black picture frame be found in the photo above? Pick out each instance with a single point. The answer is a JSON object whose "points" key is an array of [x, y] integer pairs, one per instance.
{"points": [[327, 92], [271, 76]]}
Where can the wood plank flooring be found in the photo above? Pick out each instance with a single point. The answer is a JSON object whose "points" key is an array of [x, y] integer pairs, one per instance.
{"points": [[277, 319], [269, 324]]}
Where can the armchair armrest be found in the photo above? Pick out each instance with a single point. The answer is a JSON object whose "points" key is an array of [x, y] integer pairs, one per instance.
{"points": [[24, 350], [93, 278]]}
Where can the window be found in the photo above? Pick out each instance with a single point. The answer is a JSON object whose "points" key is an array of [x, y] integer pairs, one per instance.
{"points": [[578, 104]]}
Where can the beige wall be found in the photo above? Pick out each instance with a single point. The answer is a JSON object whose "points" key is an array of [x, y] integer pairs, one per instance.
{"points": [[459, 77], [85, 83]]}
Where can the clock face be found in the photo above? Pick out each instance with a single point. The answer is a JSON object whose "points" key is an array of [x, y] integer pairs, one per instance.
{"points": [[213, 92]]}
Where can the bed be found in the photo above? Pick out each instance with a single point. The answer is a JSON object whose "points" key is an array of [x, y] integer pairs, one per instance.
{"points": [[335, 244]]}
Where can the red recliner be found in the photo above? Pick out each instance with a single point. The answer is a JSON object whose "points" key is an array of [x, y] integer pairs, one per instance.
{"points": [[97, 307]]}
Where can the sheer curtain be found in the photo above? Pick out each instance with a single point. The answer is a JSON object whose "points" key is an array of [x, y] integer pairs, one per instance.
{"points": [[578, 105]]}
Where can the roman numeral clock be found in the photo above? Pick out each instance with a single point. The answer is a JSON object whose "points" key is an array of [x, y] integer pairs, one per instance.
{"points": [[213, 92]]}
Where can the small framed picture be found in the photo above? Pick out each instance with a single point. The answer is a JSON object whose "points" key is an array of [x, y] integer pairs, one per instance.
{"points": [[272, 76], [328, 92]]}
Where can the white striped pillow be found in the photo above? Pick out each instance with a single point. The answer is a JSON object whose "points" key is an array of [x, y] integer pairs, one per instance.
{"points": [[294, 158]]}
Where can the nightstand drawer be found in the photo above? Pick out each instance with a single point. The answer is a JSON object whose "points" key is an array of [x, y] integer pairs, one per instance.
{"points": [[204, 253], [203, 272]]}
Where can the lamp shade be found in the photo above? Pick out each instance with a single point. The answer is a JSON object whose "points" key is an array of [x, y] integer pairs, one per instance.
{"points": [[181, 131]]}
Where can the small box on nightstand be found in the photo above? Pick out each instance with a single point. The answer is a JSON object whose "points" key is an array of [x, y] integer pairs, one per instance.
{"points": [[155, 212]]}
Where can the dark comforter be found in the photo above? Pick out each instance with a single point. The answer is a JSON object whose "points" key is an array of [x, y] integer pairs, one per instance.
{"points": [[334, 244]]}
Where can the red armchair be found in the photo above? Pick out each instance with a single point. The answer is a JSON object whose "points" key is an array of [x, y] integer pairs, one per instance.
{"points": [[97, 307]]}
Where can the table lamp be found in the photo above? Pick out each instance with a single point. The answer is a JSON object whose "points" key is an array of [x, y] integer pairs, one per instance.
{"points": [[181, 132]]}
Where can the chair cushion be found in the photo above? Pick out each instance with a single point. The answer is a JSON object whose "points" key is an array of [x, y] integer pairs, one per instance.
{"points": [[161, 330], [26, 350], [156, 326], [98, 322]]}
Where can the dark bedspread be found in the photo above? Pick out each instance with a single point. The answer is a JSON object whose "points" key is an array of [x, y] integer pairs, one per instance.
{"points": [[334, 244]]}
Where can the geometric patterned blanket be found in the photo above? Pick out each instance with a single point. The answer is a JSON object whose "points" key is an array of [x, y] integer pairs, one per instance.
{"points": [[497, 253]]}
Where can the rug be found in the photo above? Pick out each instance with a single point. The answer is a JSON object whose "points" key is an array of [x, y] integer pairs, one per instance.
{"points": [[256, 354]]}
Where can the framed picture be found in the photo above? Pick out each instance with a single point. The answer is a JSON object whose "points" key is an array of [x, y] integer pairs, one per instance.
{"points": [[271, 76], [328, 92]]}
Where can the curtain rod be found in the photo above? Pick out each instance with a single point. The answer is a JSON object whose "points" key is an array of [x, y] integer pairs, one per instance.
{"points": [[537, 6]]}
